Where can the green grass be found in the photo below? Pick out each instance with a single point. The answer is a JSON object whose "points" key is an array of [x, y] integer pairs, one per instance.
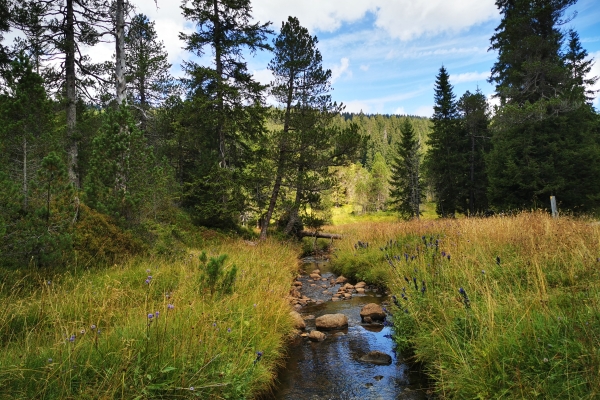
{"points": [[89, 336], [527, 326]]}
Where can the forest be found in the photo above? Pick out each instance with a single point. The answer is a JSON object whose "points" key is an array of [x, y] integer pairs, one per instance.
{"points": [[104, 162]]}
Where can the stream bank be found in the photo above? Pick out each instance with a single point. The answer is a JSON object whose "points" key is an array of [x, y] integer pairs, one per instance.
{"points": [[332, 368]]}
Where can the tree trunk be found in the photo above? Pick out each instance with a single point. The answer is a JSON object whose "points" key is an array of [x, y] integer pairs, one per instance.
{"points": [[274, 195], [25, 189], [296, 207], [73, 145], [321, 235], [219, 66], [120, 52], [281, 160]]}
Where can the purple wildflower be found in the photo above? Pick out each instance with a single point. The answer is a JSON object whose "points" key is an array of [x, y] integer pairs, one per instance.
{"points": [[170, 306], [150, 316]]}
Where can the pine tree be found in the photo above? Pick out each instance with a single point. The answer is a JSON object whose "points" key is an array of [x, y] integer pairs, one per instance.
{"points": [[444, 160], [226, 105], [121, 169], [5, 17], [147, 69], [300, 83], [406, 186]]}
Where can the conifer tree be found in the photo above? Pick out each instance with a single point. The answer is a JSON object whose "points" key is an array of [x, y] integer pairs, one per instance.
{"points": [[406, 190], [121, 168], [300, 83], [475, 120], [228, 110], [147, 69], [545, 140], [444, 159]]}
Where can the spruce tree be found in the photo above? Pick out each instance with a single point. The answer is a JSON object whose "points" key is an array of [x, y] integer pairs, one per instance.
{"points": [[475, 120], [406, 190], [545, 140], [444, 159]]}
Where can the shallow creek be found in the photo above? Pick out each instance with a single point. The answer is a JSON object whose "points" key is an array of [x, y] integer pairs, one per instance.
{"points": [[331, 369]]}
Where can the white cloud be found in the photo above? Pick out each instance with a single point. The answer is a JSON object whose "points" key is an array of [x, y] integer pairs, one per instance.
{"points": [[408, 19], [400, 111], [264, 76], [469, 77], [337, 71], [321, 15], [364, 67], [403, 19]]}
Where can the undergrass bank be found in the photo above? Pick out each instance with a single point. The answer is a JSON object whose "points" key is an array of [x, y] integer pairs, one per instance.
{"points": [[503, 307], [150, 329]]}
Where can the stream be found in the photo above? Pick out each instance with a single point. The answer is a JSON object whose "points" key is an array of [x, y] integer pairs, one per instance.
{"points": [[331, 369]]}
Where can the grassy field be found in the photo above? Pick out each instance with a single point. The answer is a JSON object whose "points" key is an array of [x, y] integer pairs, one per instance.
{"points": [[149, 329], [502, 307]]}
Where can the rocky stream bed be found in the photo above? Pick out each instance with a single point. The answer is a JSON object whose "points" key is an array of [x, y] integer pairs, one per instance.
{"points": [[343, 348]]}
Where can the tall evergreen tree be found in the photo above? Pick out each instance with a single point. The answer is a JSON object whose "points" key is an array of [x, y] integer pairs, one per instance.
{"points": [[147, 69], [579, 67], [228, 104], [300, 83], [528, 41], [545, 136], [406, 190], [4, 27], [475, 120], [444, 159]]}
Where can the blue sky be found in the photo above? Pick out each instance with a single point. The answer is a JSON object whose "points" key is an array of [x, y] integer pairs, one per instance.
{"points": [[384, 54]]}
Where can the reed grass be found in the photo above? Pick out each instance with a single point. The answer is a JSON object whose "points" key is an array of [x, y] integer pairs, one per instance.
{"points": [[148, 329], [502, 307]]}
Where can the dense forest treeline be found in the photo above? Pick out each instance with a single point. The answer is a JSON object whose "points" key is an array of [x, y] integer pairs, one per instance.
{"points": [[103, 159]]}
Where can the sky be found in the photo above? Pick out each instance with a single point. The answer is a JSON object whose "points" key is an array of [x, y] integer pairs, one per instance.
{"points": [[383, 54]]}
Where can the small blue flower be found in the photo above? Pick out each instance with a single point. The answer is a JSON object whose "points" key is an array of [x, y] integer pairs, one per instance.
{"points": [[150, 316], [93, 327], [72, 338], [228, 330], [170, 306], [192, 388], [49, 361]]}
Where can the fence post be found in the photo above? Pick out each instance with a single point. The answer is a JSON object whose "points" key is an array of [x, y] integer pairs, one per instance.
{"points": [[553, 205]]}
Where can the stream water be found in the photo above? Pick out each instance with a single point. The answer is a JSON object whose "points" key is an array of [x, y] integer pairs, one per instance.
{"points": [[331, 369]]}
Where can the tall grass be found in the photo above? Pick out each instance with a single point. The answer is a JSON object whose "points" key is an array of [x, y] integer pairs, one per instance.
{"points": [[504, 307], [145, 329]]}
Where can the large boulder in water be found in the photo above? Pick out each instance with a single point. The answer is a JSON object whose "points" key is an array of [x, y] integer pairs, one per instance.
{"points": [[372, 311], [331, 321], [377, 357]]}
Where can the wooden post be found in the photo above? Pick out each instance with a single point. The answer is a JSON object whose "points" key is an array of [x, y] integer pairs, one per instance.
{"points": [[553, 205]]}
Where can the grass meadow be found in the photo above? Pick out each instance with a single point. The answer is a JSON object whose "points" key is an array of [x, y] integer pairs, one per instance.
{"points": [[149, 329], [501, 307]]}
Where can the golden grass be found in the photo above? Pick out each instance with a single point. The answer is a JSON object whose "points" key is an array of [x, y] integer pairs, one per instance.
{"points": [[527, 326], [89, 335]]}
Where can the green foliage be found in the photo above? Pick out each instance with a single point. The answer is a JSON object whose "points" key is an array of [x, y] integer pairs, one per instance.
{"points": [[215, 277], [407, 188], [444, 160], [532, 160], [121, 169]]}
